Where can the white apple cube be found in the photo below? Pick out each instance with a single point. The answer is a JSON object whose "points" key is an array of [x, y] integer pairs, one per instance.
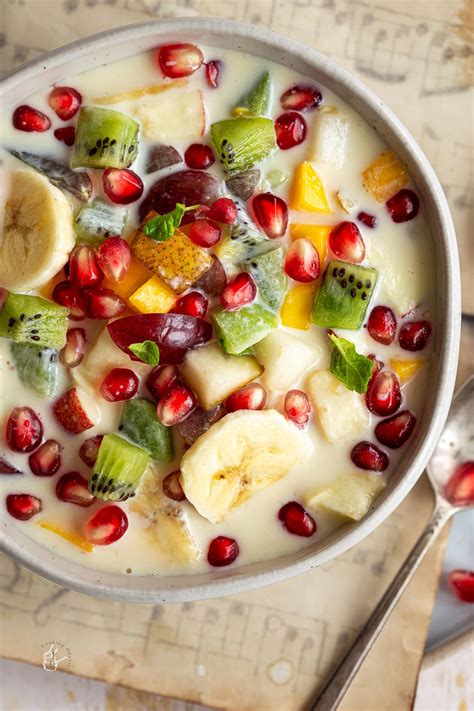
{"points": [[351, 495], [342, 413], [285, 360], [330, 140], [178, 113]]}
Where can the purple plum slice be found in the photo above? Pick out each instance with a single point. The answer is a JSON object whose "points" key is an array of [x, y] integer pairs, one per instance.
{"points": [[189, 187]]}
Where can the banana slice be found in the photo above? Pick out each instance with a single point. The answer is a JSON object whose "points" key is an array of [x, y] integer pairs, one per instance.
{"points": [[243, 452], [37, 234]]}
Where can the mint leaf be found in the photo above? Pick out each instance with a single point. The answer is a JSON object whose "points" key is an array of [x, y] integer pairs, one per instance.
{"points": [[147, 351], [162, 227], [351, 368]]}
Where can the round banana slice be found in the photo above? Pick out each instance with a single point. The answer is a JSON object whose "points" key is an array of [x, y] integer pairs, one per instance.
{"points": [[245, 451], [38, 232]]}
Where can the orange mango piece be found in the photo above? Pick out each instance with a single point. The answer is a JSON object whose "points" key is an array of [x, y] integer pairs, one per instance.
{"points": [[153, 297], [385, 176], [68, 536], [135, 277], [297, 307], [307, 190], [406, 369], [318, 235]]}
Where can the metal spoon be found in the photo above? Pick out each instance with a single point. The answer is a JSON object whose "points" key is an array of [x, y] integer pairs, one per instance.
{"points": [[455, 446]]}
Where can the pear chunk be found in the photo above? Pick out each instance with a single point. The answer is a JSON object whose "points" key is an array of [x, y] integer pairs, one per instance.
{"points": [[342, 413], [285, 359]]}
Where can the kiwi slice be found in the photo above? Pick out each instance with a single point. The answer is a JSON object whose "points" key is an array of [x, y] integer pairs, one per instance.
{"points": [[344, 296], [118, 469], [78, 183], [104, 139], [241, 329], [99, 220], [243, 240], [267, 272], [37, 367], [240, 143], [256, 101], [141, 425], [32, 319]]}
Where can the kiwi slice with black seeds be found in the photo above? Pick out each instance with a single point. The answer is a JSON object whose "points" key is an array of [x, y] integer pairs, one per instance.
{"points": [[240, 143], [118, 469], [99, 220], [267, 272], [104, 139], [37, 367], [32, 319], [344, 296]]}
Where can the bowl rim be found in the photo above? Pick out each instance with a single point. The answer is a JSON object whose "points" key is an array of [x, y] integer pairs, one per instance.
{"points": [[35, 556]]}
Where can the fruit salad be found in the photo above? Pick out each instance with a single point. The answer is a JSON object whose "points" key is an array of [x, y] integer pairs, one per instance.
{"points": [[217, 313]]}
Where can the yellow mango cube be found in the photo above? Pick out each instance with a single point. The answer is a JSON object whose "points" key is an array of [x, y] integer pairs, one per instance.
{"points": [[318, 235], [73, 538], [307, 191], [297, 306], [153, 297], [406, 369], [135, 277], [385, 176]]}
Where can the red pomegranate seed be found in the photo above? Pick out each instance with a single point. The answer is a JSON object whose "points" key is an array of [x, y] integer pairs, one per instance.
{"points": [[213, 71], [251, 397], [24, 430], [89, 449], [403, 206], [84, 270], [377, 365], [67, 135], [25, 118], [72, 488], [222, 551], [366, 455], [192, 304], [394, 431], [301, 98], [296, 520], [65, 101], [271, 213], [204, 233], [297, 407], [172, 487], [120, 384], [4, 294], [240, 291], [383, 396], [104, 303], [176, 404], [7, 468], [223, 210], [367, 220], [73, 352], [122, 185], [345, 242], [161, 379], [199, 156], [179, 60], [382, 325], [462, 584], [460, 488], [46, 460], [414, 335], [290, 130], [106, 526], [74, 299], [302, 261], [114, 257], [23, 506]]}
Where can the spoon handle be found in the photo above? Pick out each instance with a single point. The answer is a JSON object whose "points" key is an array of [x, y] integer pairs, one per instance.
{"points": [[337, 685]]}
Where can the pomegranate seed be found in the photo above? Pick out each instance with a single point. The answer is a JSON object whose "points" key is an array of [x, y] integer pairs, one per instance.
{"points": [[302, 261], [213, 71], [297, 407], [122, 185], [403, 206], [296, 520], [199, 156], [414, 335], [104, 303], [383, 396], [161, 379], [366, 455], [345, 242], [223, 210], [114, 257], [222, 551], [67, 135], [367, 220], [65, 101], [377, 365], [24, 430], [204, 233], [89, 449], [106, 526], [72, 488], [23, 506], [120, 384], [271, 213], [251, 397], [84, 270], [46, 460], [25, 118], [176, 404], [290, 130], [395, 430], [301, 98], [172, 487], [462, 584], [179, 60], [382, 325], [73, 352], [75, 300], [7, 468], [4, 294], [240, 291], [192, 304], [460, 488]]}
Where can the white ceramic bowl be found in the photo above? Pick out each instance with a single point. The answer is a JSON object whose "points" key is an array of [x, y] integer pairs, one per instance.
{"points": [[119, 43]]}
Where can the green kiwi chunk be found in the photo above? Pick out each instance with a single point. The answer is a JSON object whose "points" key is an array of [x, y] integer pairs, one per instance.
{"points": [[141, 425], [256, 100], [104, 139], [240, 143], [78, 183], [267, 272], [243, 240], [99, 220], [34, 320], [37, 367], [344, 296], [241, 329], [118, 469]]}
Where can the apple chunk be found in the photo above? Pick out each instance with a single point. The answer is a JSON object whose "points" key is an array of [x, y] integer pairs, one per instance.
{"points": [[285, 360], [175, 114], [351, 495], [341, 412]]}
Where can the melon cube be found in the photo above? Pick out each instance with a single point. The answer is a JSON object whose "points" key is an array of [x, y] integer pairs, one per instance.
{"points": [[153, 297], [297, 307], [318, 235], [285, 360], [351, 495], [307, 190], [341, 412], [385, 176], [330, 140]]}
